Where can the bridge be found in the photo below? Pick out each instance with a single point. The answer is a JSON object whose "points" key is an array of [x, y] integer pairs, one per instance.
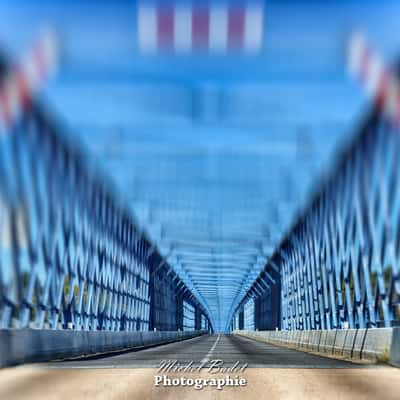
{"points": [[192, 184]]}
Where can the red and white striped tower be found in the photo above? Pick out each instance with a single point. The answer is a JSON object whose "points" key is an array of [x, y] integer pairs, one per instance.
{"points": [[23, 81], [213, 28], [380, 82]]}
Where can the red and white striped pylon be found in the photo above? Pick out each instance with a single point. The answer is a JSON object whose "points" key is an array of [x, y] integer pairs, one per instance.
{"points": [[23, 81], [211, 28], [380, 82]]}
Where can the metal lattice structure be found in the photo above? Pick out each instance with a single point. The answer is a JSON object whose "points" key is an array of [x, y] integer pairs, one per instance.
{"points": [[339, 265], [346, 247], [188, 316], [248, 315], [71, 256]]}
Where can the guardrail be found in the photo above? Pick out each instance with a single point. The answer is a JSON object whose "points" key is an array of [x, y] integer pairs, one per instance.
{"points": [[37, 345], [379, 344]]}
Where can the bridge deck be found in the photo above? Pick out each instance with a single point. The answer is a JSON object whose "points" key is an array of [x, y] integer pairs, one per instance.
{"points": [[228, 348]]}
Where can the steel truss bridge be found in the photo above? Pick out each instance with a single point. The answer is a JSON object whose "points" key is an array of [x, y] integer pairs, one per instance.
{"points": [[133, 206]]}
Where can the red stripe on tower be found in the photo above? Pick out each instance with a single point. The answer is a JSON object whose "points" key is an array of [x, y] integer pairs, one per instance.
{"points": [[383, 87], [200, 27], [236, 21], [22, 85], [165, 27]]}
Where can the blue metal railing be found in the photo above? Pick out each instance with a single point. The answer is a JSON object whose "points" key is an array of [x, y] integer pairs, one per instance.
{"points": [[71, 256], [339, 264]]}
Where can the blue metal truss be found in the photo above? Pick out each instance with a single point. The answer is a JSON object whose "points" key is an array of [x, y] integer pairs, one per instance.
{"points": [[339, 265], [71, 256]]}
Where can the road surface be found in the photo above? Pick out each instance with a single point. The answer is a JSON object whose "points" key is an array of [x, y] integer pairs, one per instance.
{"points": [[205, 349]]}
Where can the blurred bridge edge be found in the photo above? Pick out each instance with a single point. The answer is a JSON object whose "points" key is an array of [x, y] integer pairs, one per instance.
{"points": [[375, 344], [338, 267], [76, 274], [35, 345]]}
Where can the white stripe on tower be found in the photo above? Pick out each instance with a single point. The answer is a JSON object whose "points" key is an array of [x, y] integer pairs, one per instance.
{"points": [[218, 37], [147, 28], [32, 73], [183, 29], [375, 74], [253, 28], [41, 63], [357, 52]]}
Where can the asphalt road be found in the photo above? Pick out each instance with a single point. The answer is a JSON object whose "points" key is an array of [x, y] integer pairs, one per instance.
{"points": [[205, 349]]}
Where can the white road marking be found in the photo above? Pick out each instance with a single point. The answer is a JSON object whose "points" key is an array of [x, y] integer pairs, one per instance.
{"points": [[207, 357]]}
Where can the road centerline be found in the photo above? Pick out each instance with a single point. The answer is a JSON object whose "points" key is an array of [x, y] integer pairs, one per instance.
{"points": [[208, 355]]}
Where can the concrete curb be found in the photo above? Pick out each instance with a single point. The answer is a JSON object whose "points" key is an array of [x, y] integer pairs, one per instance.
{"points": [[378, 344], [19, 346]]}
